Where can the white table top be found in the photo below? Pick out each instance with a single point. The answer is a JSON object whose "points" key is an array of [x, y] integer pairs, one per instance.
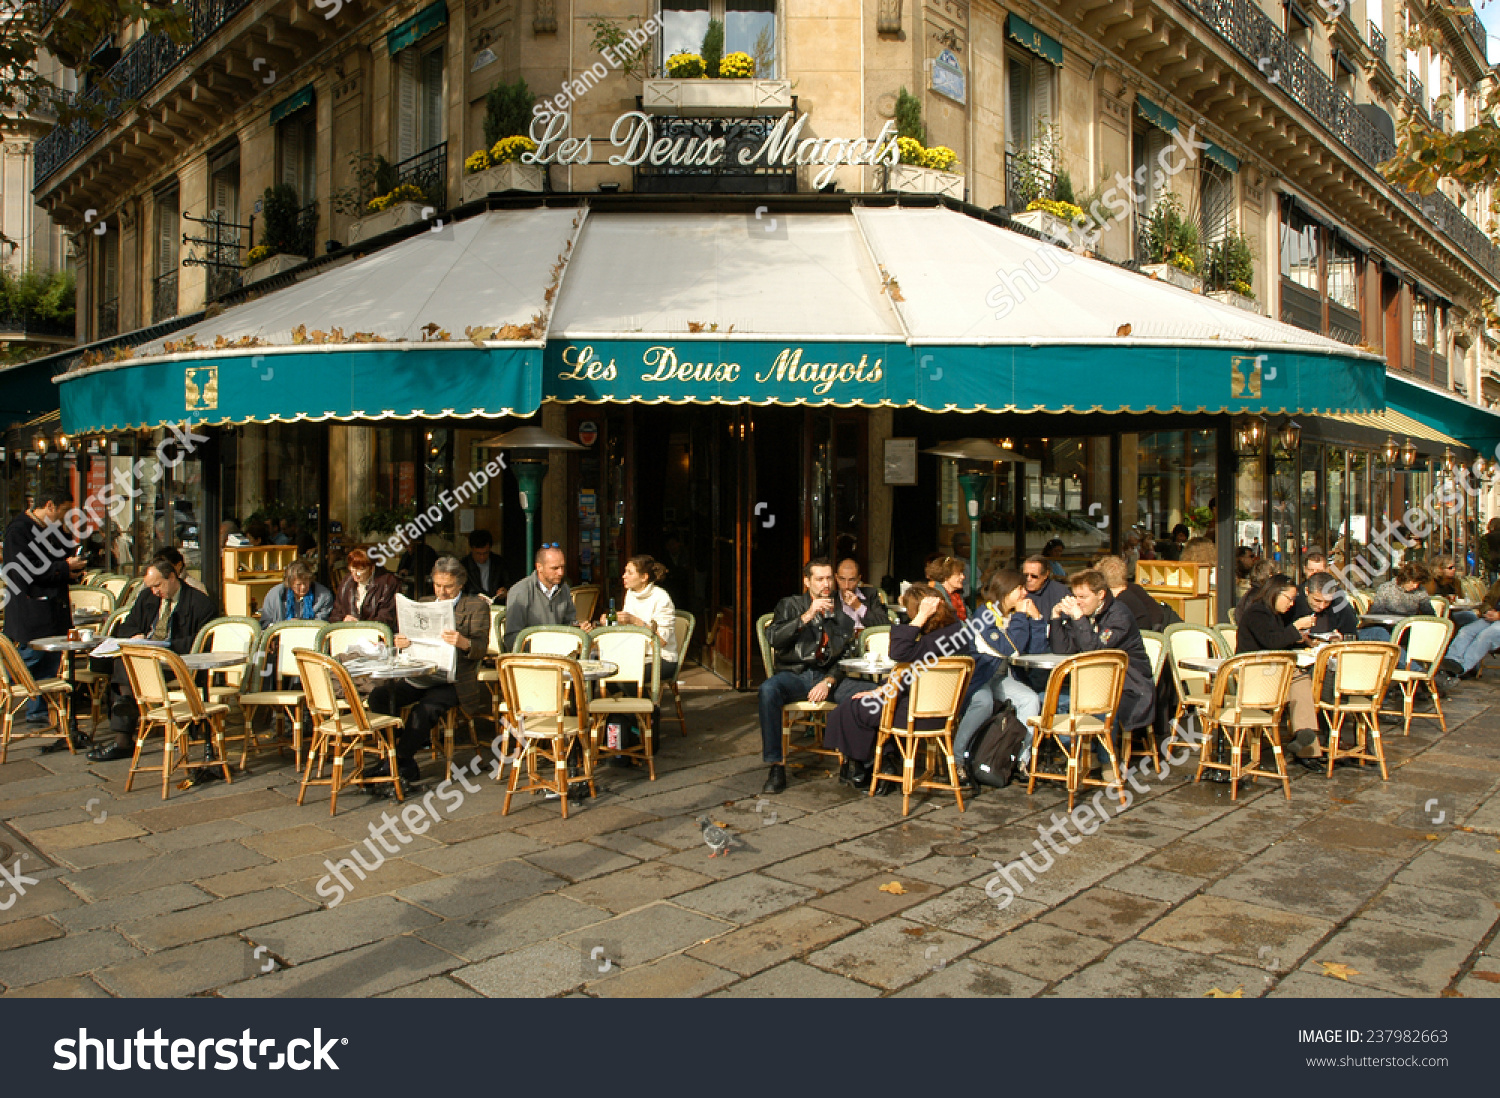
{"points": [[1039, 660]]}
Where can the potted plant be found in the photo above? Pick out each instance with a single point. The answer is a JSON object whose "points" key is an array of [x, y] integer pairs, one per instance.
{"points": [[1170, 240], [1230, 272], [402, 205], [283, 244], [381, 521], [922, 170], [711, 84], [497, 167]]}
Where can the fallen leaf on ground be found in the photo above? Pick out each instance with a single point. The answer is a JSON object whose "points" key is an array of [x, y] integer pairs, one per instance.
{"points": [[1491, 977], [894, 888], [1449, 993], [1432, 838], [1215, 993], [915, 931], [720, 823], [1337, 968]]}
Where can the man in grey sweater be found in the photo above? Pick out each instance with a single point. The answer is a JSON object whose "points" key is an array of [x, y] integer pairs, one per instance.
{"points": [[542, 598]]}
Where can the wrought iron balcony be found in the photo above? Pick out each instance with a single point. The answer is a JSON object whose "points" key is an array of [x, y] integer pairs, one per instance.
{"points": [[1468, 18], [143, 66], [428, 170], [1416, 90], [1377, 44], [1025, 182], [109, 318], [1245, 27], [20, 326], [163, 297]]}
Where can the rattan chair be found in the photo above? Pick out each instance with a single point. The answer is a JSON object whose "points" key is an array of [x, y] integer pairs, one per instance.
{"points": [[538, 690], [96, 683], [686, 624], [489, 674], [1193, 687], [586, 601], [115, 584], [1095, 681], [147, 667], [1248, 701], [337, 637], [343, 729], [1361, 677], [84, 597], [553, 640], [1427, 639], [936, 693], [277, 645], [1229, 637], [20, 688], [875, 643], [805, 714], [1440, 607], [1156, 653], [636, 650], [233, 634]]}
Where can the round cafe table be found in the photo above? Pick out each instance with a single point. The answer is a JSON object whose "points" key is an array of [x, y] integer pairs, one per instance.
{"points": [[213, 661], [68, 648], [389, 669], [1040, 661], [594, 670], [860, 668], [1387, 620]]}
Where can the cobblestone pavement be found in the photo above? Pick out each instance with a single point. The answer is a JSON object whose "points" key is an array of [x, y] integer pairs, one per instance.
{"points": [[1356, 887]]}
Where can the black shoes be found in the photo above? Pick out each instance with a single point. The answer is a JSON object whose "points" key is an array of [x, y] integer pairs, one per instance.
{"points": [[111, 753], [859, 775], [1453, 667], [775, 780]]}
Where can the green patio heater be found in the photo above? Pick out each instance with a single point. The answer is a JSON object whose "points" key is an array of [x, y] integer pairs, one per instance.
{"points": [[527, 451], [977, 458]]}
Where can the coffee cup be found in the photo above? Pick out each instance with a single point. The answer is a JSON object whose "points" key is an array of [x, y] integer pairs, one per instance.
{"points": [[85, 634]]}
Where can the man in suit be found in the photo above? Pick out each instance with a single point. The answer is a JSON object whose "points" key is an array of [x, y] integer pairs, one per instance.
{"points": [[542, 598], [483, 568], [432, 696], [167, 609], [40, 563], [860, 603]]}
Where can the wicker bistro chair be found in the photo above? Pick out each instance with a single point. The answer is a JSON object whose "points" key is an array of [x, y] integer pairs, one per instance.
{"points": [[936, 693], [875, 642], [1229, 636], [115, 584], [283, 638], [636, 650], [1193, 687], [20, 688], [97, 682], [1247, 705], [234, 634], [686, 625], [586, 600], [147, 667], [1440, 606], [1095, 681], [1156, 653], [1361, 677], [489, 674], [84, 597], [553, 640], [343, 731], [810, 715], [337, 637], [537, 692], [1427, 640]]}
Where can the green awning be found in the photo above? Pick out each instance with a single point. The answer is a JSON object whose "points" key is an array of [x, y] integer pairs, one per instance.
{"points": [[965, 378], [417, 27], [1043, 45], [26, 391], [292, 104], [281, 385], [1469, 423], [1154, 114], [1222, 158]]}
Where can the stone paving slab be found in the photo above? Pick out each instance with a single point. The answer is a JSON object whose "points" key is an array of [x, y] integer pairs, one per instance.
{"points": [[745, 899], [892, 953], [211, 919], [515, 926], [784, 935], [182, 865], [1309, 877], [1153, 971], [369, 970], [543, 970], [70, 956], [131, 907], [188, 970], [356, 922], [673, 977], [1041, 952], [795, 980], [481, 889], [647, 934], [67, 987], [1263, 937], [1105, 913], [1394, 958]]}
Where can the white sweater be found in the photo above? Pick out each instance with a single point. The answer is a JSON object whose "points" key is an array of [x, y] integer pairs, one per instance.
{"points": [[654, 605]]}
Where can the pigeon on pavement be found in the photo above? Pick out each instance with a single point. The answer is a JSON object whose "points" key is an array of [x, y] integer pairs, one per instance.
{"points": [[716, 837]]}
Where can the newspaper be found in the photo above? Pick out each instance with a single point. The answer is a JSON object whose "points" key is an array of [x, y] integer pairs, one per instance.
{"points": [[423, 623]]}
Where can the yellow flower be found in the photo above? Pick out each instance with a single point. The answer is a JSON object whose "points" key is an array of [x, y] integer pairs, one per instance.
{"points": [[737, 66], [684, 66], [257, 253], [940, 157], [1064, 210], [510, 149], [1184, 262], [477, 162], [911, 151]]}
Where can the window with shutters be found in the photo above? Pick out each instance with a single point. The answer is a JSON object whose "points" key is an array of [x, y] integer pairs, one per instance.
{"points": [[1217, 202], [1421, 321], [1299, 249], [168, 234], [107, 322], [1343, 274], [296, 153], [1028, 117], [749, 27], [1148, 178], [419, 100]]}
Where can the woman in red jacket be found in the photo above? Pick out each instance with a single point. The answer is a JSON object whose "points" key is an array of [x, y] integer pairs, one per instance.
{"points": [[947, 575], [367, 593]]}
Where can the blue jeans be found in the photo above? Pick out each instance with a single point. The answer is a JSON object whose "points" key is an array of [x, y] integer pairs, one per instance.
{"points": [[1473, 642], [986, 700], [781, 689], [1382, 634], [42, 665]]}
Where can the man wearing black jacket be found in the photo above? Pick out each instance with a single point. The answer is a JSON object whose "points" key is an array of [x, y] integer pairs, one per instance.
{"points": [[1331, 609], [39, 566], [862, 604], [166, 610], [808, 636], [1091, 619]]}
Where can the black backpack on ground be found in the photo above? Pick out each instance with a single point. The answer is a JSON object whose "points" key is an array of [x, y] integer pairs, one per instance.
{"points": [[992, 759]]}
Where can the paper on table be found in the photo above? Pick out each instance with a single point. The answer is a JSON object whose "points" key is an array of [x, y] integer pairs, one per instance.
{"points": [[111, 646], [423, 623]]}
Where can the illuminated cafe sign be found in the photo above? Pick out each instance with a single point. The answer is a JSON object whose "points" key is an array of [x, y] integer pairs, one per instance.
{"points": [[784, 147], [708, 370]]}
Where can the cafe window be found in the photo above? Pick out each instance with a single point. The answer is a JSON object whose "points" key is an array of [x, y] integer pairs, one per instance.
{"points": [[1421, 321], [419, 121], [1028, 101], [164, 282], [1299, 249], [1171, 476], [749, 27], [1067, 496], [1343, 275], [1217, 202], [296, 153]]}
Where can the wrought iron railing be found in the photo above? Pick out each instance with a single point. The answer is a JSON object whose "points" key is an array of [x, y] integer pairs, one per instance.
{"points": [[143, 65], [429, 171], [109, 318], [1415, 89], [163, 297], [27, 324], [736, 135], [1266, 46], [46, 10], [1468, 18], [1377, 44], [1439, 120], [1025, 182]]}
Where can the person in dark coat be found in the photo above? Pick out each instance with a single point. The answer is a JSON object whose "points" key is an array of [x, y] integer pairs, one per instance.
{"points": [[484, 568], [167, 609], [1091, 619], [1331, 609], [367, 593], [40, 563], [1263, 628], [1148, 613], [934, 630], [862, 604]]}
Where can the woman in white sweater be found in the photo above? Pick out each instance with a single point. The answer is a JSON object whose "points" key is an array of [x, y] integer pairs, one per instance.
{"points": [[649, 605]]}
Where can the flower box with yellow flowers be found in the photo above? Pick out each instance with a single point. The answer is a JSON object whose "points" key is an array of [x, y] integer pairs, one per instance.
{"points": [[729, 96], [403, 206], [499, 169], [264, 266]]}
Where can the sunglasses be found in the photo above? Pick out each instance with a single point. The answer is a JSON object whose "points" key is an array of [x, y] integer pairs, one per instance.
{"points": [[551, 545]]}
